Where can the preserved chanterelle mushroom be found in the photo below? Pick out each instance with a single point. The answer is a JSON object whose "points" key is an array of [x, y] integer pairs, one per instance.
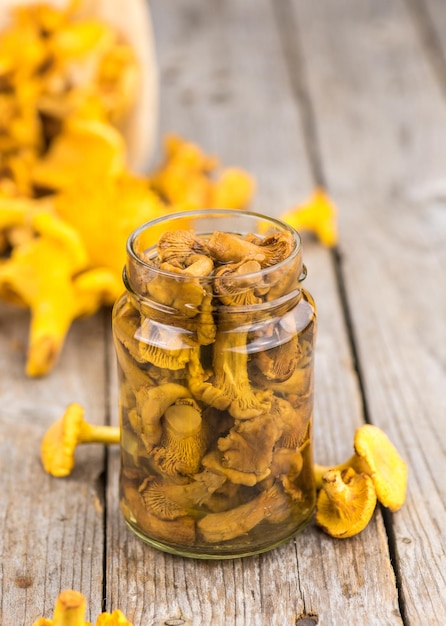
{"points": [[214, 338]]}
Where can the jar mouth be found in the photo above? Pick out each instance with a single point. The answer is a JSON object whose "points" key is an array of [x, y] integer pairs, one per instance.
{"points": [[144, 239]]}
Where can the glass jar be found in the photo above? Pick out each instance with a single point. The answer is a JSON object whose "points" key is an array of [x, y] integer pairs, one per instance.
{"points": [[214, 339]]}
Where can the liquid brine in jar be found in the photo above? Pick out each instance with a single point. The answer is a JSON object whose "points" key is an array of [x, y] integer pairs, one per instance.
{"points": [[214, 338]]}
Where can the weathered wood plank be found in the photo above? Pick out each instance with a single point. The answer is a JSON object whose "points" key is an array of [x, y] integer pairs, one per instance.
{"points": [[51, 534], [429, 18], [381, 117], [221, 86], [224, 84]]}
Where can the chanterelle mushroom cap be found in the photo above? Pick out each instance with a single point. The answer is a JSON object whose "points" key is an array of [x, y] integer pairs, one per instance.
{"points": [[179, 245], [60, 441], [117, 618], [229, 248], [318, 215], [39, 274], [346, 502], [382, 462]]}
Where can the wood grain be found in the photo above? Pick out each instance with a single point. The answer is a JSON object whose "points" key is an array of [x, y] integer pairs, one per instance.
{"points": [[298, 580], [383, 146], [345, 93], [51, 530]]}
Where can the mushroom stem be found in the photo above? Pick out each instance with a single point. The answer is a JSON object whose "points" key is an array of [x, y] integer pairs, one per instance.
{"points": [[69, 609], [99, 434], [337, 486], [354, 462], [226, 525]]}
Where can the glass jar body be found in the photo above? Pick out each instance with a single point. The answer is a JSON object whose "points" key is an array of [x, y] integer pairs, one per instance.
{"points": [[216, 400]]}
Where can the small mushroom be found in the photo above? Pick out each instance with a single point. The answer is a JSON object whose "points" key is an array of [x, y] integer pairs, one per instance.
{"points": [[134, 509], [157, 501], [231, 376], [168, 500], [277, 247], [69, 610], [231, 285], [61, 439], [213, 461], [233, 189], [184, 175], [206, 328], [178, 246], [317, 215], [133, 376], [201, 388], [184, 440], [151, 404], [287, 465], [117, 618], [346, 502], [184, 294], [294, 422], [376, 456], [197, 265], [297, 385], [39, 275], [216, 527], [228, 248], [279, 363], [191, 178], [164, 347], [249, 445]]}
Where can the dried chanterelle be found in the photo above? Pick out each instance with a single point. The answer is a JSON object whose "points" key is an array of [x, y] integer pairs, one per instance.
{"points": [[70, 609]]}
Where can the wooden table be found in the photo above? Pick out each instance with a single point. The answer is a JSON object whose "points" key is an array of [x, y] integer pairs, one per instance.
{"points": [[350, 94]]}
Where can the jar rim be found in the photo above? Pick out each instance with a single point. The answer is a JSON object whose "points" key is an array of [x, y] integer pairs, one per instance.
{"points": [[273, 222]]}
